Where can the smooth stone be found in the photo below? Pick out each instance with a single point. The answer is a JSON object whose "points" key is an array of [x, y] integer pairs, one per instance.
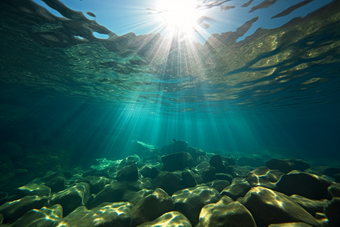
{"points": [[30, 189], [139, 184], [169, 182], [332, 211], [270, 207], [72, 197], [263, 176], [224, 176], [334, 190], [96, 183], [149, 171], [171, 219], [188, 179], [209, 174], [238, 188], [291, 224], [44, 217], [13, 210], [151, 207], [305, 184], [134, 197], [282, 165], [225, 212], [177, 161], [219, 185], [240, 171], [110, 193], [310, 205], [216, 161], [190, 201], [108, 214], [128, 173], [300, 164], [57, 183]]}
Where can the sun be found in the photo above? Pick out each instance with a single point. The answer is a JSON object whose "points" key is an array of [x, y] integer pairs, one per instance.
{"points": [[181, 15]]}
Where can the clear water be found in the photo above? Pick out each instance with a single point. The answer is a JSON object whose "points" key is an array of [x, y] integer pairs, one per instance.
{"points": [[245, 86]]}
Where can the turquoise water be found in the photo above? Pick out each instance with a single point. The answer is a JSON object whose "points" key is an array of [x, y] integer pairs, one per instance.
{"points": [[251, 90]]}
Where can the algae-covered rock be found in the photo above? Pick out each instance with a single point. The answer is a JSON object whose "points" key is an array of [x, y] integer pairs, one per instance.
{"points": [[190, 201], [72, 197], [173, 219]]}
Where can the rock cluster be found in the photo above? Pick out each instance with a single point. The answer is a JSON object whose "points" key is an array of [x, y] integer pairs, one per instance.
{"points": [[183, 186]]}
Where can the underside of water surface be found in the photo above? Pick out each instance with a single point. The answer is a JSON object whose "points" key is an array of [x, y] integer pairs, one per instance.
{"points": [[235, 123]]}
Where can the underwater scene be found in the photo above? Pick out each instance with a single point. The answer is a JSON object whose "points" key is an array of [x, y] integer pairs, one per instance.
{"points": [[170, 113]]}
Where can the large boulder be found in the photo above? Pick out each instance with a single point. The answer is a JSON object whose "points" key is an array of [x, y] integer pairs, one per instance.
{"points": [[238, 188], [72, 197], [176, 146], [110, 193], [173, 219], [216, 161], [332, 212], [169, 182], [13, 210], [177, 161], [30, 189], [190, 201], [151, 207], [270, 207], [305, 184], [262, 176], [312, 206], [128, 173], [225, 212], [287, 165]]}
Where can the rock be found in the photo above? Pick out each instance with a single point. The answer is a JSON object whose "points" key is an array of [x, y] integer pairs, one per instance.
{"points": [[330, 171], [282, 165], [72, 197], [30, 189], [108, 214], [56, 184], [291, 224], [201, 167], [209, 174], [300, 164], [190, 201], [312, 206], [134, 197], [149, 171], [188, 179], [169, 182], [224, 176], [50, 175], [238, 188], [173, 219], [225, 212], [239, 171], [151, 207], [110, 193], [139, 184], [269, 207], [128, 173], [219, 185], [176, 146], [334, 190], [96, 183], [13, 210], [305, 184], [3, 197], [337, 177], [250, 161], [43, 217], [332, 212], [132, 159], [216, 161], [177, 161], [195, 152], [229, 160], [1, 219], [262, 176]]}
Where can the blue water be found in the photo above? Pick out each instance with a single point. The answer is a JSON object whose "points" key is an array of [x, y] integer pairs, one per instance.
{"points": [[93, 101]]}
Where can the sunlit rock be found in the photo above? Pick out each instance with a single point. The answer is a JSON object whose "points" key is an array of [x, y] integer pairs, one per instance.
{"points": [[305, 184], [270, 207], [219, 185], [262, 176], [169, 182], [238, 171], [134, 196], [190, 201], [177, 161], [151, 207], [111, 193], [332, 212], [128, 173], [72, 197], [108, 214], [224, 176], [96, 183], [291, 224], [43, 217], [15, 209], [139, 184], [238, 188], [310, 205], [225, 212], [30, 189], [173, 219], [334, 190]]}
